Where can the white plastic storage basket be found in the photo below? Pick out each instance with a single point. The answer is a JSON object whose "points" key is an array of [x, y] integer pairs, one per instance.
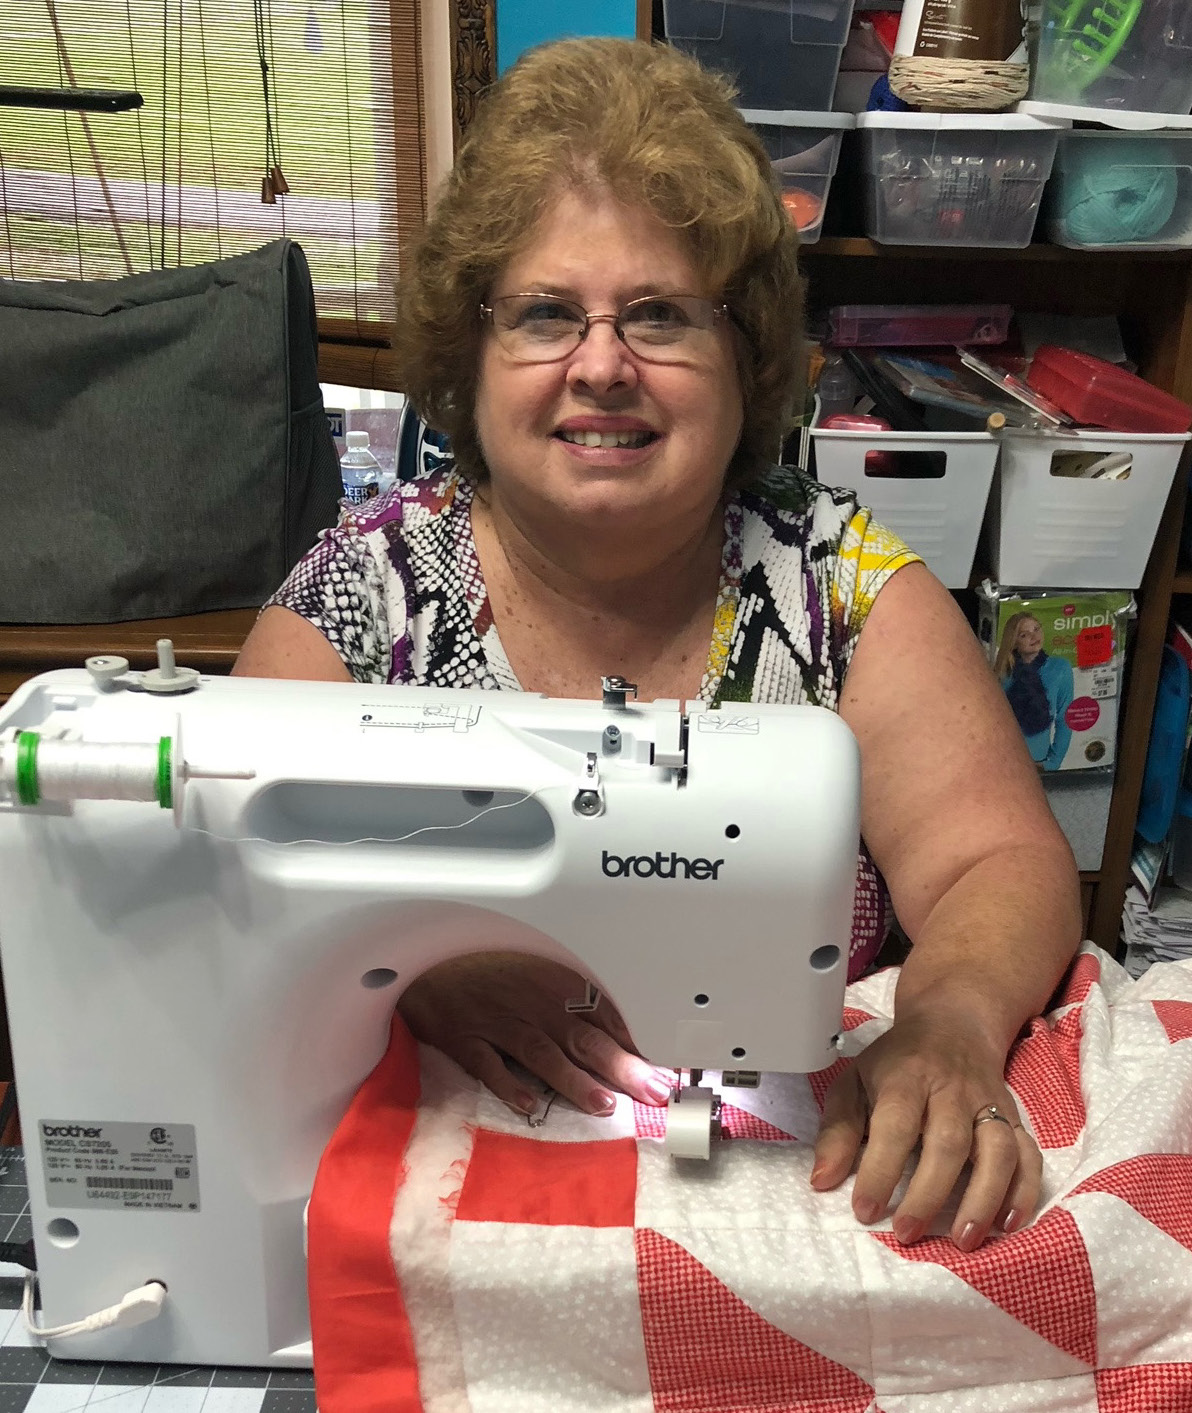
{"points": [[939, 517], [1053, 531], [804, 149]]}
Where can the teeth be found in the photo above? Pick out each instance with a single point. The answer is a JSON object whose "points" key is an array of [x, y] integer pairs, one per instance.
{"points": [[606, 439]]}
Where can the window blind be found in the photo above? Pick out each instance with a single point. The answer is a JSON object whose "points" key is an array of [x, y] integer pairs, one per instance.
{"points": [[261, 118]]}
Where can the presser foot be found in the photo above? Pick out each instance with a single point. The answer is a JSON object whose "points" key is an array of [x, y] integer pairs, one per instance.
{"points": [[692, 1121]]}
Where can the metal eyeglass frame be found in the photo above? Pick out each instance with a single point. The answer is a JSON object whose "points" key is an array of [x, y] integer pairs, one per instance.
{"points": [[487, 311]]}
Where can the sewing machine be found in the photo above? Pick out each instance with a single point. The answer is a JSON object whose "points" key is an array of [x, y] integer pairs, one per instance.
{"points": [[215, 890]]}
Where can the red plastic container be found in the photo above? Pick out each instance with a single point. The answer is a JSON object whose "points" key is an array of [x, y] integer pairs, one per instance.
{"points": [[1100, 394]]}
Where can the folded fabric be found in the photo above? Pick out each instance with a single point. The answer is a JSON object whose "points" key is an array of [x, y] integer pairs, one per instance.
{"points": [[463, 1262]]}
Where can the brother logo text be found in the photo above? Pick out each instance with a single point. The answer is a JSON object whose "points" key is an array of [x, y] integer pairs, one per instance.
{"points": [[658, 865]]}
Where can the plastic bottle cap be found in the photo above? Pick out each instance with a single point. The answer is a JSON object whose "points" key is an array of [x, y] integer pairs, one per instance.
{"points": [[357, 439]]}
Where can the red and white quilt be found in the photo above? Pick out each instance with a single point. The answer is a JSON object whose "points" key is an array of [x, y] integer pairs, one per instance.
{"points": [[463, 1262]]}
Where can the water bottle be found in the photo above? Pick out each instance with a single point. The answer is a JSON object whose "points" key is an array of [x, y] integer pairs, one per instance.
{"points": [[360, 470], [837, 387]]}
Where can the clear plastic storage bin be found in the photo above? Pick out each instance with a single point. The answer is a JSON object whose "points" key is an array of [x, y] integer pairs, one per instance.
{"points": [[955, 178], [1122, 190], [804, 149], [939, 516], [1128, 55], [1056, 531], [781, 54]]}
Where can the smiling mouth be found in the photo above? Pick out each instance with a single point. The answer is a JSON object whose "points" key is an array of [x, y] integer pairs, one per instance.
{"points": [[608, 439]]}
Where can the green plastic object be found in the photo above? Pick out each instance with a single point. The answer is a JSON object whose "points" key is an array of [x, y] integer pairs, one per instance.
{"points": [[28, 790], [1086, 36], [165, 773]]}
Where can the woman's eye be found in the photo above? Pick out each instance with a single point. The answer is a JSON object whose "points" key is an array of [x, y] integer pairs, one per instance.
{"points": [[657, 316], [536, 315]]}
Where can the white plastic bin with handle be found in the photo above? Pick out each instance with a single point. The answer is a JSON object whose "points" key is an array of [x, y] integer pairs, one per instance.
{"points": [[939, 517], [1079, 531]]}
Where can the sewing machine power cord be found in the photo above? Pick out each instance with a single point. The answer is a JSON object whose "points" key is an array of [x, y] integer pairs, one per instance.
{"points": [[138, 1307]]}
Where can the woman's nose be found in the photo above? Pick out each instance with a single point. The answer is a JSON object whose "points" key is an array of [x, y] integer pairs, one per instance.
{"points": [[602, 361]]}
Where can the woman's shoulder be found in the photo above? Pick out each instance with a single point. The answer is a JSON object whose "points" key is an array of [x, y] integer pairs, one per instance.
{"points": [[424, 500], [793, 504]]}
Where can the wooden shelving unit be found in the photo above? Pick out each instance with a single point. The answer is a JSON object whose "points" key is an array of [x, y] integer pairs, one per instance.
{"points": [[1151, 295]]}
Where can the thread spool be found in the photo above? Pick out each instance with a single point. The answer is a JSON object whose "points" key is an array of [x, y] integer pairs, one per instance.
{"points": [[40, 771], [960, 55]]}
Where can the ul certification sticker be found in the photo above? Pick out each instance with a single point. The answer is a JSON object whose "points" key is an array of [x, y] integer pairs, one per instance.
{"points": [[120, 1166]]}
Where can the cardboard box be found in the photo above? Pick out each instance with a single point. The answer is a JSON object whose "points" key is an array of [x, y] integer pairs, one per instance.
{"points": [[1058, 656]]}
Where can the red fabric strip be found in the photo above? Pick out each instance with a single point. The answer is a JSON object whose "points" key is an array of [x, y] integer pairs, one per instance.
{"points": [[363, 1347]]}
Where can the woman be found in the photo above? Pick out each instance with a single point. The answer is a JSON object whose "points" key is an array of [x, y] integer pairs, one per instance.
{"points": [[604, 316], [1038, 688]]}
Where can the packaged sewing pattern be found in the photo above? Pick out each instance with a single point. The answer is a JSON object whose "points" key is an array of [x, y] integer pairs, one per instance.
{"points": [[1058, 656], [462, 1261]]}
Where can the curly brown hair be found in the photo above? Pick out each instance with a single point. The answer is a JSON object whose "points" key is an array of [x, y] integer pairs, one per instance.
{"points": [[649, 125]]}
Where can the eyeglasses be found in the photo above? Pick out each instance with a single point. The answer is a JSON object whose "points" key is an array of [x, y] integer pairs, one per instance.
{"points": [[660, 328]]}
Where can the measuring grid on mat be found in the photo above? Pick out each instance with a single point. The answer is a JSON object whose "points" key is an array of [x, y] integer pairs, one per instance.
{"points": [[32, 1382]]}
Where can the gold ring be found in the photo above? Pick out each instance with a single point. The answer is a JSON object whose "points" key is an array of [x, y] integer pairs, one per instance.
{"points": [[990, 1113]]}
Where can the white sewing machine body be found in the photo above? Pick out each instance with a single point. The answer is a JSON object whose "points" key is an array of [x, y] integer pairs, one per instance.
{"points": [[210, 983]]}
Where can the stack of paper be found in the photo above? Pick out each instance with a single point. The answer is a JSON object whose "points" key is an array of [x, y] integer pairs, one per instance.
{"points": [[1160, 932]]}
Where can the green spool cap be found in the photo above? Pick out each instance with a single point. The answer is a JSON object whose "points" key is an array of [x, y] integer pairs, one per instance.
{"points": [[28, 791], [165, 773]]}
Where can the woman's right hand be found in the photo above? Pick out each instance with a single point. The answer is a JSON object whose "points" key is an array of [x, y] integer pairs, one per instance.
{"points": [[487, 1007]]}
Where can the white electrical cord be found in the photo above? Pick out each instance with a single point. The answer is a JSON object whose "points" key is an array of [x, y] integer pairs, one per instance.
{"points": [[137, 1308]]}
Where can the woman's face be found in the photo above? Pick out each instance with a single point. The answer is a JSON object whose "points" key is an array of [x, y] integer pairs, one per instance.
{"points": [[687, 418], [1028, 641]]}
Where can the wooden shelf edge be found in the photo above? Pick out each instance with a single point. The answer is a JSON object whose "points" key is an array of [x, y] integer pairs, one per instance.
{"points": [[864, 247]]}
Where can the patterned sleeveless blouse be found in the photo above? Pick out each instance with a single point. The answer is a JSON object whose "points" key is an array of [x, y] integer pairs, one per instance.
{"points": [[396, 587]]}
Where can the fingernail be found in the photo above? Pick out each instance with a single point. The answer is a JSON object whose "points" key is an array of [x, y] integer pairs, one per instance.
{"points": [[1013, 1220], [908, 1230], [817, 1172], [866, 1212], [603, 1104], [966, 1242], [523, 1102], [658, 1089]]}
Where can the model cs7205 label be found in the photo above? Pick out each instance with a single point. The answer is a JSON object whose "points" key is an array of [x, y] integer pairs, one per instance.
{"points": [[120, 1166]]}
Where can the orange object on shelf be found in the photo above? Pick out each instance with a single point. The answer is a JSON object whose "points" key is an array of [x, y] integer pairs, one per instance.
{"points": [[802, 207]]}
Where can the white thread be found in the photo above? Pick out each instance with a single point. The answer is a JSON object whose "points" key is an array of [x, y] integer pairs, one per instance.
{"points": [[96, 770], [82, 770], [368, 839]]}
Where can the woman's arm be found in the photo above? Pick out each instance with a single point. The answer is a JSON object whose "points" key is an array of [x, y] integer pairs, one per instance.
{"points": [[984, 883], [283, 644]]}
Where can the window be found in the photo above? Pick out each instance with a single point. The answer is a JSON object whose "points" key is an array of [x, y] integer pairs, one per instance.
{"points": [[315, 105]]}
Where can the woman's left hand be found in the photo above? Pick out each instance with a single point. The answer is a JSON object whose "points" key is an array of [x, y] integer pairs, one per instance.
{"points": [[927, 1081]]}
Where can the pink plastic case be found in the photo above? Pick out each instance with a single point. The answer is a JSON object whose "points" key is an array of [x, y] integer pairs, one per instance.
{"points": [[918, 325]]}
